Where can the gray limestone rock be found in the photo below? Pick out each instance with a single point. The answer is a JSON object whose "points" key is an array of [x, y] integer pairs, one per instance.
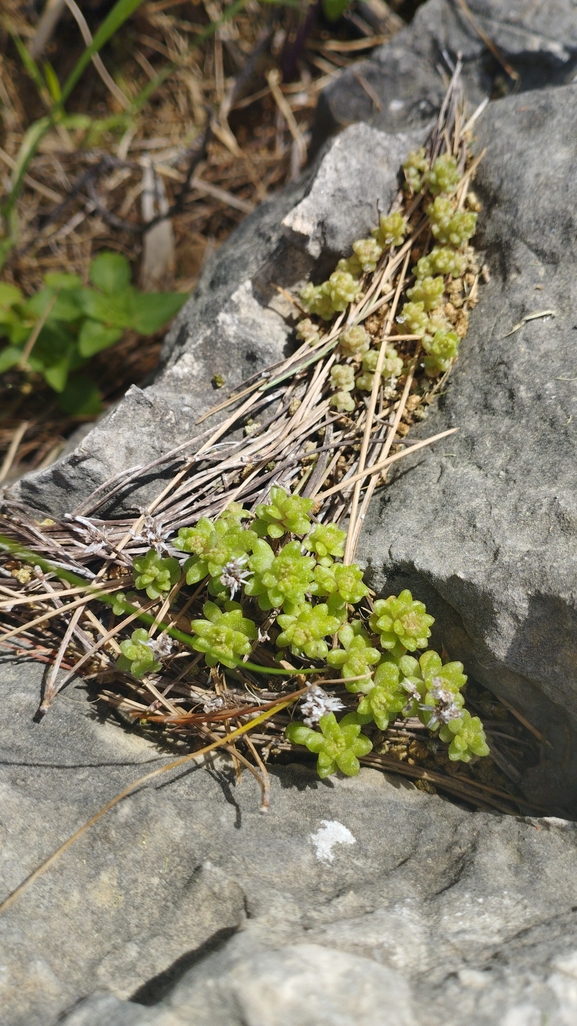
{"points": [[401, 84], [355, 900], [484, 526], [236, 323]]}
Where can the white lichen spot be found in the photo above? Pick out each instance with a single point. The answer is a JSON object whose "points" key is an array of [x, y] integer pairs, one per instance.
{"points": [[331, 832]]}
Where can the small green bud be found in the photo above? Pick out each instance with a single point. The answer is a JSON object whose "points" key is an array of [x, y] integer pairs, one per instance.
{"points": [[306, 331], [441, 260], [338, 579], [282, 580], [414, 318], [466, 736], [356, 657], [351, 265], [442, 350], [449, 226], [326, 540], [386, 698], [223, 637], [342, 289]]}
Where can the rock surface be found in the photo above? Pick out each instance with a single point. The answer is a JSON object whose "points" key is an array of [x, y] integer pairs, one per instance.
{"points": [[400, 84], [353, 901], [484, 527], [236, 323]]}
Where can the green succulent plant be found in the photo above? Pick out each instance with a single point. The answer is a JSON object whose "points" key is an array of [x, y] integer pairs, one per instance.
{"points": [[354, 341], [338, 745], [155, 574], [284, 514], [326, 540], [415, 167], [223, 636], [137, 656], [391, 231], [401, 621], [305, 630], [357, 656], [466, 738], [444, 175], [282, 580], [386, 698], [368, 253]]}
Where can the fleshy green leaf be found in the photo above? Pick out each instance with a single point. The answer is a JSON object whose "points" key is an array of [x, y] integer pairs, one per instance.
{"points": [[9, 357]]}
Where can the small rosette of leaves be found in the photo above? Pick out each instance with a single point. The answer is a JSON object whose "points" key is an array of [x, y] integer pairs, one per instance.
{"points": [[392, 367], [391, 231], [332, 296], [282, 580], [466, 738], [441, 260], [284, 514], [338, 745], [450, 227], [223, 637], [155, 574], [386, 698], [305, 630], [428, 291], [326, 540], [138, 657], [441, 350], [368, 252], [343, 377], [308, 332], [356, 658], [414, 317], [343, 402], [343, 582], [354, 341], [415, 168], [215, 545], [444, 176], [401, 621]]}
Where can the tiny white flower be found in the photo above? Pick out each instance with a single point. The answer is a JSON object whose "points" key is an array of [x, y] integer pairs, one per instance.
{"points": [[318, 703]]}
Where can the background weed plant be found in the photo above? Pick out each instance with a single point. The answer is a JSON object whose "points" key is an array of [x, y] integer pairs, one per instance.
{"points": [[56, 331]]}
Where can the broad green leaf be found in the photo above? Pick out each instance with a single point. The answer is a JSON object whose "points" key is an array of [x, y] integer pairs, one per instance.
{"points": [[57, 374], [152, 310], [94, 336], [80, 397], [52, 353], [110, 272], [65, 305], [9, 295], [63, 281], [9, 357], [113, 311]]}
